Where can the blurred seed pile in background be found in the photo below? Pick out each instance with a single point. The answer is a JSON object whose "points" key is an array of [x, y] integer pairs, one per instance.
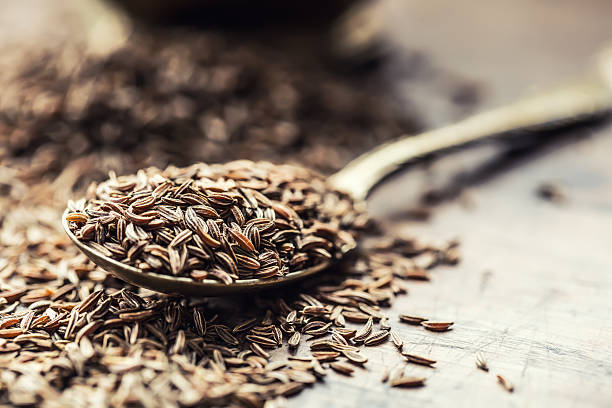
{"points": [[179, 97]]}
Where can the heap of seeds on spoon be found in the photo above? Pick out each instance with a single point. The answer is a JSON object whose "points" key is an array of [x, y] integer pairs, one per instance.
{"points": [[238, 220]]}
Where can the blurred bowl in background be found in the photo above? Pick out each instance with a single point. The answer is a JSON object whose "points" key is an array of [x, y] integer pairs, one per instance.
{"points": [[234, 12]]}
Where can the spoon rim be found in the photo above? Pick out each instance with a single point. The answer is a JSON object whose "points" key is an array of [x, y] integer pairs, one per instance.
{"points": [[184, 285]]}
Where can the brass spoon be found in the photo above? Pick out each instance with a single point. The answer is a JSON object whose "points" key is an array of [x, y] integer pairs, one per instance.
{"points": [[584, 100]]}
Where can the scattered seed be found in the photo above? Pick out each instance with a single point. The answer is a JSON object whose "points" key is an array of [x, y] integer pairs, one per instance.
{"points": [[416, 320], [376, 338], [326, 356], [342, 368], [365, 331], [551, 192], [396, 339], [408, 382], [355, 357], [505, 383], [481, 363], [413, 358], [294, 340], [437, 326]]}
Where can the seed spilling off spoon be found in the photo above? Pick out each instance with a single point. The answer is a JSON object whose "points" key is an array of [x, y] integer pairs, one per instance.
{"points": [[239, 220]]}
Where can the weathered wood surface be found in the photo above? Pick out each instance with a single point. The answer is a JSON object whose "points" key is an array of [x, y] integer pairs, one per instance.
{"points": [[534, 289]]}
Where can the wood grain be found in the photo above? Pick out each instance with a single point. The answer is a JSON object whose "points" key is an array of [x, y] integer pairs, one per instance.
{"points": [[533, 294], [534, 290]]}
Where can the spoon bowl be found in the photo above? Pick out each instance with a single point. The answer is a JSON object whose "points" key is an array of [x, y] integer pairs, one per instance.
{"points": [[187, 286]]}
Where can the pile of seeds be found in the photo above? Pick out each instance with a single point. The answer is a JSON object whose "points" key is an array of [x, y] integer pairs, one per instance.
{"points": [[237, 220], [72, 335]]}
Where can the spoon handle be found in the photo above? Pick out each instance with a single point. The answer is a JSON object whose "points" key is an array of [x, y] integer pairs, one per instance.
{"points": [[555, 109]]}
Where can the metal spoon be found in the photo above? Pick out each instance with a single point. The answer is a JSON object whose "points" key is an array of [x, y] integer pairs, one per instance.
{"points": [[584, 100]]}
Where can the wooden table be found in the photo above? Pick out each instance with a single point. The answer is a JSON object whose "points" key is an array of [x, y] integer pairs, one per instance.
{"points": [[534, 289]]}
